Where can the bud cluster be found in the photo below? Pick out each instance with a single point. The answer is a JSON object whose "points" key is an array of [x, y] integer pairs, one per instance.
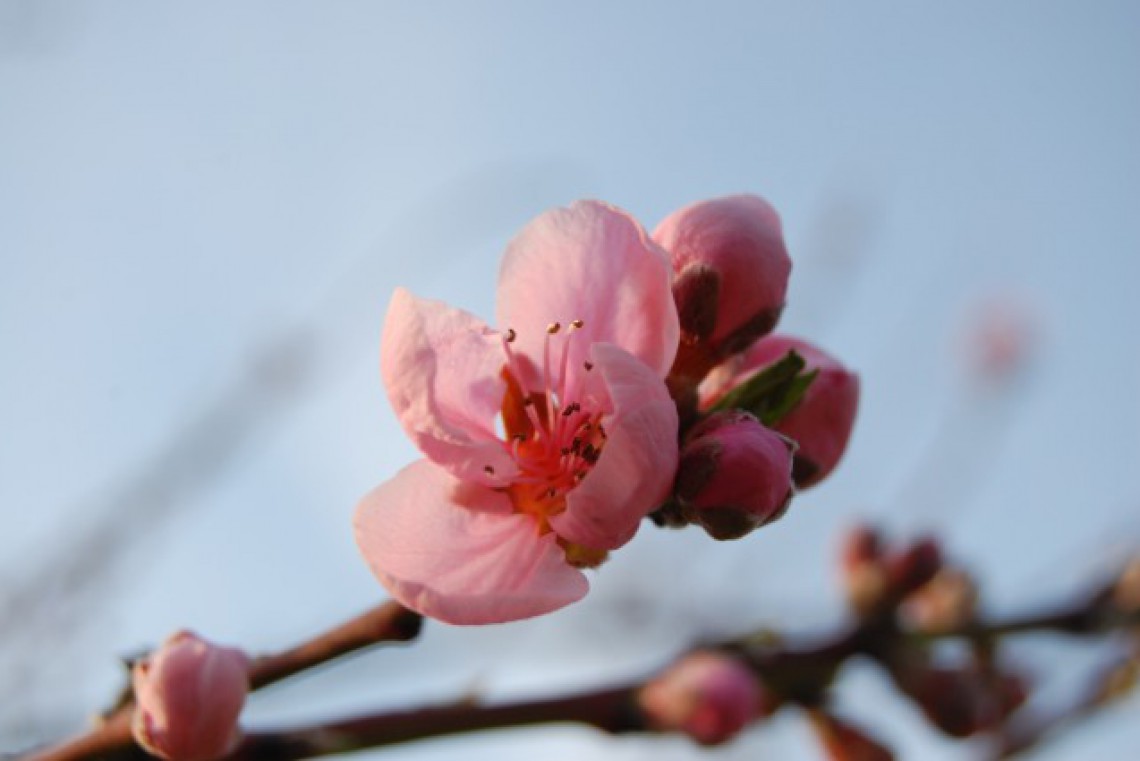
{"points": [[761, 414], [877, 578], [913, 586]]}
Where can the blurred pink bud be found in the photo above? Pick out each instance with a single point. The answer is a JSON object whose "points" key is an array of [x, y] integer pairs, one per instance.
{"points": [[735, 475], [1000, 338], [731, 276], [821, 423], [709, 696], [861, 544], [915, 566], [864, 572], [189, 694]]}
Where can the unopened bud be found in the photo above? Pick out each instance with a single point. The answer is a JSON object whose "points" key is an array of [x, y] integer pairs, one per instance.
{"points": [[731, 276], [821, 423], [947, 602], [708, 695], [915, 566], [864, 572], [189, 694], [861, 545], [734, 475]]}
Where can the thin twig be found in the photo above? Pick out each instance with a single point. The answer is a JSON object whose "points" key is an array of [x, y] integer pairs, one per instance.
{"points": [[388, 622]]}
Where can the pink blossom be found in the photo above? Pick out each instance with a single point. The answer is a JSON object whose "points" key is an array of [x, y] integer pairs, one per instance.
{"points": [[822, 422], [189, 694], [546, 442], [707, 695]]}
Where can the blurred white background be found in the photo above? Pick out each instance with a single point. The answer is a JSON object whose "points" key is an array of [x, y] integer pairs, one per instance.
{"points": [[204, 208]]}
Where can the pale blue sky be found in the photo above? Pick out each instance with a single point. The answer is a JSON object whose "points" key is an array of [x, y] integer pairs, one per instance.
{"points": [[187, 188]]}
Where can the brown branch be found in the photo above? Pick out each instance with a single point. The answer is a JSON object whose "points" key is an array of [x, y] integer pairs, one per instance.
{"points": [[1089, 617], [611, 710], [796, 674], [388, 622], [1108, 683]]}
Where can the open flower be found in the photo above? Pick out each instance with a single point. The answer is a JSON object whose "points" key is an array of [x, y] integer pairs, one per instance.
{"points": [[546, 442]]}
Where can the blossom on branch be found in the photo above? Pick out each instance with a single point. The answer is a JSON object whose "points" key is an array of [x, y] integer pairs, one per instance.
{"points": [[546, 442], [189, 694]]}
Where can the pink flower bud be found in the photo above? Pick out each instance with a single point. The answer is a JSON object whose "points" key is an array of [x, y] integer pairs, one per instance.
{"points": [[709, 696], [915, 566], [821, 423], [864, 571], [731, 276], [734, 475], [189, 694]]}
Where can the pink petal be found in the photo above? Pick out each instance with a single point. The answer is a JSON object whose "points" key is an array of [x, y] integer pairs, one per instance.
{"points": [[638, 463], [442, 368], [589, 262], [457, 552]]}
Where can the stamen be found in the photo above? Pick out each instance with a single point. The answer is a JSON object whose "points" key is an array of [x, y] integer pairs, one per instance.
{"points": [[565, 363], [488, 470], [511, 335], [547, 386], [535, 421], [588, 365]]}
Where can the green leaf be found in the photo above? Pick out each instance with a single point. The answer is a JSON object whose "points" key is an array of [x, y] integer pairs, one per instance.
{"points": [[771, 393]]}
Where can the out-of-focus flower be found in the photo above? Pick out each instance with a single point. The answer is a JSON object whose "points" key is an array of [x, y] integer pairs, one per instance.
{"points": [[821, 423], [1000, 337], [734, 476], [546, 442], [707, 695], [189, 694], [731, 277]]}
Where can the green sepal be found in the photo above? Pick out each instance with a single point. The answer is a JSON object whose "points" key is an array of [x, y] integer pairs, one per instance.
{"points": [[771, 393]]}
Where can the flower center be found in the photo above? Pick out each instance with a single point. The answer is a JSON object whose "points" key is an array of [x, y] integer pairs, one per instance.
{"points": [[552, 438]]}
